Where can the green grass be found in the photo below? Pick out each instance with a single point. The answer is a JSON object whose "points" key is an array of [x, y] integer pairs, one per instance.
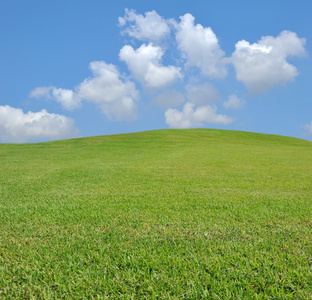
{"points": [[168, 214]]}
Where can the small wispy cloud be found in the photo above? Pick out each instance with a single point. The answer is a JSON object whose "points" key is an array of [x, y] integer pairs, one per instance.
{"points": [[170, 98], [234, 102], [307, 130], [192, 116], [201, 94], [67, 98]]}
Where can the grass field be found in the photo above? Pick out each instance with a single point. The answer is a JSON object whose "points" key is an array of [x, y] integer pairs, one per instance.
{"points": [[162, 214]]}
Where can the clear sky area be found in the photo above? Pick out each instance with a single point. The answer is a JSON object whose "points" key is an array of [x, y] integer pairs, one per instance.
{"points": [[77, 68]]}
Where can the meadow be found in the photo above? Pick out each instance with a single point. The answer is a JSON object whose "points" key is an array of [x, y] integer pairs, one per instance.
{"points": [[165, 214]]}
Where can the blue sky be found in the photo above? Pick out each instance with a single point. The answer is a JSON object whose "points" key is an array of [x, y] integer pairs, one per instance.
{"points": [[83, 68]]}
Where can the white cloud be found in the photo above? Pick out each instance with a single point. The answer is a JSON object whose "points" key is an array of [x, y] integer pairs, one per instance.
{"points": [[151, 28], [18, 127], [201, 94], [145, 65], [68, 99], [106, 88], [40, 92], [308, 130], [262, 66], [200, 47], [115, 96], [191, 117], [234, 102], [170, 98]]}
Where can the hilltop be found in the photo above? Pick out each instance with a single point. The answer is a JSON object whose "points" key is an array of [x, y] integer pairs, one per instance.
{"points": [[157, 214]]}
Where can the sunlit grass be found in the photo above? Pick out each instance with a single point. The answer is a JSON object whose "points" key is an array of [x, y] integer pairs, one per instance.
{"points": [[162, 214]]}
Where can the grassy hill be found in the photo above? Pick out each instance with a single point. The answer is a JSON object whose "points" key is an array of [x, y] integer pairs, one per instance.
{"points": [[162, 214]]}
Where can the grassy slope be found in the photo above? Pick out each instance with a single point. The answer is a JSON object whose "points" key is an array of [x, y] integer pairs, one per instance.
{"points": [[167, 214]]}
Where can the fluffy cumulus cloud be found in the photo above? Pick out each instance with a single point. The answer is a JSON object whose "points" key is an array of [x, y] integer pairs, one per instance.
{"points": [[68, 99], [151, 28], [201, 94], [116, 97], [234, 102], [145, 65], [17, 126], [169, 98], [200, 47], [262, 66], [191, 116]]}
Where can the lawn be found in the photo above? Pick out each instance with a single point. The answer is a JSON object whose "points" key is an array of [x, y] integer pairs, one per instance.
{"points": [[165, 214]]}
